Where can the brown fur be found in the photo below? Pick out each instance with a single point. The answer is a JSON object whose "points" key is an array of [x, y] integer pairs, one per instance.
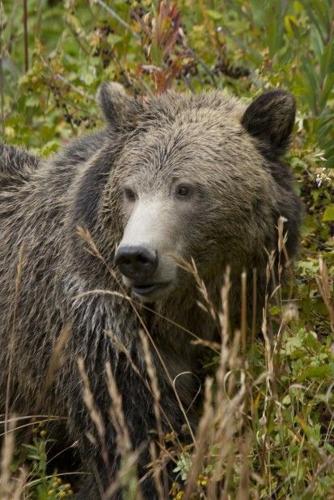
{"points": [[213, 139]]}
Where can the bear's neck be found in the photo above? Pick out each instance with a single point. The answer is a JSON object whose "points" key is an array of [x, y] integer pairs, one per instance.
{"points": [[182, 317], [178, 326], [176, 334]]}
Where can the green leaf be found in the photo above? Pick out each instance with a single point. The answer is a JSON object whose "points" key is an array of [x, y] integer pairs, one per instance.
{"points": [[318, 372], [329, 213], [214, 15], [114, 39]]}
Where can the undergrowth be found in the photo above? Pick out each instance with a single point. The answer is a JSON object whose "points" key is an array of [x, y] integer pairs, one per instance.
{"points": [[267, 429]]}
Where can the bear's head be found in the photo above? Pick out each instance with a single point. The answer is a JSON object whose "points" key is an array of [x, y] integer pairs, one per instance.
{"points": [[195, 177]]}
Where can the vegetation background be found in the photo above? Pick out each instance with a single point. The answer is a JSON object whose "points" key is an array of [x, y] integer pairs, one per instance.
{"points": [[54, 54]]}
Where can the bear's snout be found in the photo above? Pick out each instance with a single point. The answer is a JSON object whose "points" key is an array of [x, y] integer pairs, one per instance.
{"points": [[139, 265], [137, 262]]}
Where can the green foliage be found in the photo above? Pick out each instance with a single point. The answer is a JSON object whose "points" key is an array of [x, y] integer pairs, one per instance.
{"points": [[73, 46], [40, 484], [44, 486], [245, 47]]}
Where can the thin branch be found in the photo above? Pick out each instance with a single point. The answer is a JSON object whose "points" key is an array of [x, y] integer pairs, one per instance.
{"points": [[2, 76], [25, 28], [117, 17]]}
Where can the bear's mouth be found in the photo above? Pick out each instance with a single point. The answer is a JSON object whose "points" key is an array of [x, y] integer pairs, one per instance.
{"points": [[148, 289]]}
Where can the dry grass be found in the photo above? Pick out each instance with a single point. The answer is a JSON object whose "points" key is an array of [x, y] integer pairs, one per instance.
{"points": [[246, 442], [267, 423], [11, 487]]}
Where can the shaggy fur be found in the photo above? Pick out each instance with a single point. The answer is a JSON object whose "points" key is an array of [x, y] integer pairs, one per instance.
{"points": [[232, 153], [15, 165]]}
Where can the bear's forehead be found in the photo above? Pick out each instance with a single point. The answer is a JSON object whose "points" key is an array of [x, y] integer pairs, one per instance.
{"points": [[189, 150], [172, 104], [196, 119], [190, 137], [187, 137]]}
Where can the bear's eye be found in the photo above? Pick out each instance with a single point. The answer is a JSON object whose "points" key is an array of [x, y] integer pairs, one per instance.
{"points": [[129, 194], [183, 191]]}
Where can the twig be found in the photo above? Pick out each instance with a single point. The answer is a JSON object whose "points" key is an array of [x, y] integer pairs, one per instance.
{"points": [[2, 76], [25, 28], [117, 17]]}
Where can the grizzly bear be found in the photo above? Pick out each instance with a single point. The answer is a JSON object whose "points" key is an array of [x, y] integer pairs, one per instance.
{"points": [[95, 242]]}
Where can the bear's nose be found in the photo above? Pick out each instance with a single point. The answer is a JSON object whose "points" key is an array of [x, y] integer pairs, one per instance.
{"points": [[136, 262]]}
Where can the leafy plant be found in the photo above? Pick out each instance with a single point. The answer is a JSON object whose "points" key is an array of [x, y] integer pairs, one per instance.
{"points": [[279, 439]]}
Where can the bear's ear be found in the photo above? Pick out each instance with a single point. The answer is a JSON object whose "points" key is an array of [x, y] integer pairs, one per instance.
{"points": [[119, 109], [270, 118]]}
